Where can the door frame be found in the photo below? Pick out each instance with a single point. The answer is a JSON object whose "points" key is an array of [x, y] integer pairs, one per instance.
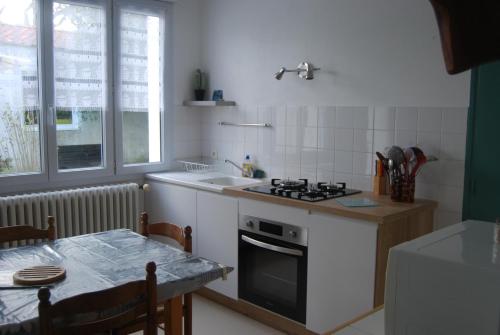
{"points": [[469, 153]]}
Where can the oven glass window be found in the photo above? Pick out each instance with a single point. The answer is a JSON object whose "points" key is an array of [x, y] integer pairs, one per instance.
{"points": [[274, 276]]}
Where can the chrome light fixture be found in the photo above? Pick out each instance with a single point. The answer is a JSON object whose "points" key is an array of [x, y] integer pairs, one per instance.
{"points": [[304, 70]]}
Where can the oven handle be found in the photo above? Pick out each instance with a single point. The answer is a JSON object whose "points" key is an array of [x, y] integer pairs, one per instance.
{"points": [[272, 247]]}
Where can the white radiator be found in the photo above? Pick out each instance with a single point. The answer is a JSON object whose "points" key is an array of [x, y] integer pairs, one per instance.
{"points": [[77, 211]]}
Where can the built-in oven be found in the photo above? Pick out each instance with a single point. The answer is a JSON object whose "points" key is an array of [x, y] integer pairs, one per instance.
{"points": [[273, 266]]}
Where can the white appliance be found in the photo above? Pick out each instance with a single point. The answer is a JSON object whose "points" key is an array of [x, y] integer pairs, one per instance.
{"points": [[445, 283]]}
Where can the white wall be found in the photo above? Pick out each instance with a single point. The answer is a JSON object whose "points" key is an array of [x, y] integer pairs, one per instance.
{"points": [[383, 82], [372, 52]]}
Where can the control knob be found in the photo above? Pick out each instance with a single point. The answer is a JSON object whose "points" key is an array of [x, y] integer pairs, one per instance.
{"points": [[292, 233], [249, 224]]}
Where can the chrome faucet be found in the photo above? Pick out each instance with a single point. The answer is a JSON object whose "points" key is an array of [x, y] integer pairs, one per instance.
{"points": [[234, 164]]}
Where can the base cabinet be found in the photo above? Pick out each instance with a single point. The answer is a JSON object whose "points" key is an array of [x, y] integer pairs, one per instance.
{"points": [[341, 269], [217, 217], [174, 204]]}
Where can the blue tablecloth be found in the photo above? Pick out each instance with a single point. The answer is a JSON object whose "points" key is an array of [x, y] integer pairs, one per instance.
{"points": [[94, 262]]}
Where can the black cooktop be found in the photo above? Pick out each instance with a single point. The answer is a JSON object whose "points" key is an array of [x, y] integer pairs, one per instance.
{"points": [[303, 190]]}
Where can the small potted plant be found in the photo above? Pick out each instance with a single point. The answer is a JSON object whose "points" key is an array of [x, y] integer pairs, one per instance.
{"points": [[200, 85]]}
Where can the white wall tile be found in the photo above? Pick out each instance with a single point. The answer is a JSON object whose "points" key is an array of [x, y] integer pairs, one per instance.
{"points": [[363, 183], [406, 138], [429, 119], [310, 137], [343, 178], [453, 146], [455, 120], [309, 158], [326, 138], [382, 139], [308, 116], [293, 115], [325, 159], [450, 198], [343, 161], [326, 116], [362, 117], [385, 118], [293, 136], [363, 140], [406, 118], [279, 116], [292, 156], [430, 143], [344, 117], [344, 139], [452, 172], [292, 171], [362, 163], [325, 175], [279, 135]]}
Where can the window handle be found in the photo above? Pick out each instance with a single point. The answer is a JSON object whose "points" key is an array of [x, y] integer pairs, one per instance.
{"points": [[52, 116]]}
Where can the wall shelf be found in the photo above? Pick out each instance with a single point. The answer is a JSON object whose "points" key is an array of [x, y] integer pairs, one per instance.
{"points": [[209, 103]]}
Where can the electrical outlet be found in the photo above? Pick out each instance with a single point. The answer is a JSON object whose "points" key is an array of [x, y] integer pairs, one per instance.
{"points": [[214, 155]]}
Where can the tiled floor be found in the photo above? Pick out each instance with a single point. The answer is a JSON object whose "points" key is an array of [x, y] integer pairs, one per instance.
{"points": [[210, 318], [371, 325]]}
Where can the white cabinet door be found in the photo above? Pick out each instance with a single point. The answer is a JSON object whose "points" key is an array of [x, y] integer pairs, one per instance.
{"points": [[217, 217], [341, 270], [172, 203]]}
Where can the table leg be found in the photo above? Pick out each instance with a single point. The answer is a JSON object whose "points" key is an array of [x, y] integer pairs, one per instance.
{"points": [[174, 322]]}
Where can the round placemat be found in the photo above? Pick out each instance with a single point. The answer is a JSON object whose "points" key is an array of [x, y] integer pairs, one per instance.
{"points": [[39, 275]]}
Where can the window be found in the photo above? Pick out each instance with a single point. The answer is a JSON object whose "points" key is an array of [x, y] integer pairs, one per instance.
{"points": [[80, 85], [140, 98], [20, 132], [93, 76]]}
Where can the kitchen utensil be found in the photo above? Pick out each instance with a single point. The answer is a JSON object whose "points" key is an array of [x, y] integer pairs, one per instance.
{"points": [[421, 160], [397, 155], [384, 161]]}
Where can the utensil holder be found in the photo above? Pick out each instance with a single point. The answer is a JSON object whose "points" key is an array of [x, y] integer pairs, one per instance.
{"points": [[403, 189]]}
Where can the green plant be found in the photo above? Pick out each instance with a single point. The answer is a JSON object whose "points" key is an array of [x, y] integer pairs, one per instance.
{"points": [[19, 141], [200, 80]]}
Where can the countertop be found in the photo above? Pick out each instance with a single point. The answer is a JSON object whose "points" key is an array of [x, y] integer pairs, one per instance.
{"points": [[387, 210]]}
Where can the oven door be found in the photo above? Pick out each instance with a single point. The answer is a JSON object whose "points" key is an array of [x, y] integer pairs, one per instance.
{"points": [[273, 274]]}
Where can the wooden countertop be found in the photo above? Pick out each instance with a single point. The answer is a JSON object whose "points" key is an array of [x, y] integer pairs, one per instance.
{"points": [[387, 210]]}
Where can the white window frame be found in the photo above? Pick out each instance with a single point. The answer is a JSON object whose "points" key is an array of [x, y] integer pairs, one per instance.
{"points": [[107, 168], [8, 180], [151, 7], [112, 153]]}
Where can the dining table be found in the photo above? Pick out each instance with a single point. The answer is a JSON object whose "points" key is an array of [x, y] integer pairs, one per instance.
{"points": [[95, 262]]}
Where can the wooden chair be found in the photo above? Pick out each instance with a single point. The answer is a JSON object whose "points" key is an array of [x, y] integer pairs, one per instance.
{"points": [[25, 232], [174, 307], [101, 311]]}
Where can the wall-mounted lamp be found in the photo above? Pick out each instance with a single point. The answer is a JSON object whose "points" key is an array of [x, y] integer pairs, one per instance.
{"points": [[304, 70]]}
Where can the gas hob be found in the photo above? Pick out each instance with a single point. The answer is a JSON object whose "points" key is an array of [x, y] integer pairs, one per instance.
{"points": [[301, 189]]}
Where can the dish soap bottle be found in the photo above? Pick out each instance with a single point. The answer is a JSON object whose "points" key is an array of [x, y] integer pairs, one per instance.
{"points": [[247, 167]]}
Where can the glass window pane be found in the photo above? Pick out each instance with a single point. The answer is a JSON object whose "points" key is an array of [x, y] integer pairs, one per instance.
{"points": [[19, 88], [79, 84], [141, 82]]}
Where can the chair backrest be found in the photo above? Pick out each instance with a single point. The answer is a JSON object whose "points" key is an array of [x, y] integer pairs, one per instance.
{"points": [[101, 311], [182, 236], [24, 232]]}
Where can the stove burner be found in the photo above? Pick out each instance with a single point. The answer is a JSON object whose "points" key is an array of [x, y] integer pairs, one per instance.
{"points": [[289, 184], [301, 189]]}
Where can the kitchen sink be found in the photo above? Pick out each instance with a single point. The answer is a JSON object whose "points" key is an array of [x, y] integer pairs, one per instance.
{"points": [[229, 181]]}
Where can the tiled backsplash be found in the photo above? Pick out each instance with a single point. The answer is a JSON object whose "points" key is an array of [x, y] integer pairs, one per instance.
{"points": [[335, 143]]}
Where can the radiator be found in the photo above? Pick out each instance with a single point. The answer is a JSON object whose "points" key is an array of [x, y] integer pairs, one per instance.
{"points": [[77, 211]]}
